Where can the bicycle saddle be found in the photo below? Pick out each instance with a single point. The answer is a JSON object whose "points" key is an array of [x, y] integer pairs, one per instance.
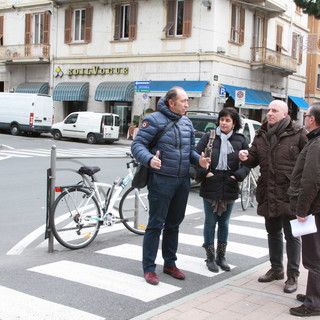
{"points": [[90, 171]]}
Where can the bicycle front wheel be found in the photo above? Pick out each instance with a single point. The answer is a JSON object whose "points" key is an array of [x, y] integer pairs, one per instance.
{"points": [[245, 193], [75, 218], [134, 210]]}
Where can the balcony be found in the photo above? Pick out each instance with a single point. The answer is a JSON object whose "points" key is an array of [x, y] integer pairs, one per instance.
{"points": [[272, 8], [26, 53], [263, 58]]}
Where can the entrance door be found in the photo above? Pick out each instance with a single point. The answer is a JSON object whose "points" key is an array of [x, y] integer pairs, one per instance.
{"points": [[124, 113]]}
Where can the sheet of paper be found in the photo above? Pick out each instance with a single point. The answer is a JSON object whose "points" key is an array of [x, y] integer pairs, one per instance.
{"points": [[303, 228]]}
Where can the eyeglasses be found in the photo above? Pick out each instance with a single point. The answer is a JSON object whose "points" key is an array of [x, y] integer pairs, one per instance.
{"points": [[307, 115]]}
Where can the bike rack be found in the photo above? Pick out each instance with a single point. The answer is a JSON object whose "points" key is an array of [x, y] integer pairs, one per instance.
{"points": [[51, 185]]}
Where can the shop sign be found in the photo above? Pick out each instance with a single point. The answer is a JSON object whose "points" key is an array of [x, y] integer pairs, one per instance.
{"points": [[96, 70]]}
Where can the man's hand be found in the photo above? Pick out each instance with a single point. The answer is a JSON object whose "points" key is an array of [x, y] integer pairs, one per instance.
{"points": [[155, 162], [204, 162], [302, 219], [243, 155]]}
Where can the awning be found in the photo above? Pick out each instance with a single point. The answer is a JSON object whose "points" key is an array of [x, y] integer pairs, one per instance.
{"points": [[71, 91], [33, 87], [192, 88], [300, 102], [114, 91], [255, 97]]}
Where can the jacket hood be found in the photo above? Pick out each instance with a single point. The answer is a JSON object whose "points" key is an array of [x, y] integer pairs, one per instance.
{"points": [[163, 108]]}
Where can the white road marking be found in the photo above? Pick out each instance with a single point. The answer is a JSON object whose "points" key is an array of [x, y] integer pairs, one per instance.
{"points": [[17, 305], [106, 279]]}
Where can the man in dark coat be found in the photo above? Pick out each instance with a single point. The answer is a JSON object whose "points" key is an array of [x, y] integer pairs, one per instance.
{"points": [[169, 179], [275, 149], [304, 195]]}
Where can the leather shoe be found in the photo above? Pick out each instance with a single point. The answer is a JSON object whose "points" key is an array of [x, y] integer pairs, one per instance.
{"points": [[291, 284], [272, 275], [174, 272], [303, 311], [151, 277], [301, 297]]}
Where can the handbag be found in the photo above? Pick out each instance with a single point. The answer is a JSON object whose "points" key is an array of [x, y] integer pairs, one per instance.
{"points": [[140, 178], [201, 174]]}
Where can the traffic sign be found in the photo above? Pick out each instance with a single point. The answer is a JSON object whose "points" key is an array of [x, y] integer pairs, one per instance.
{"points": [[240, 98], [222, 91], [142, 86]]}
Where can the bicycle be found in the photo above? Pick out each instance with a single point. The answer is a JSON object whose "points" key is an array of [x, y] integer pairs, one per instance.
{"points": [[80, 210], [248, 189]]}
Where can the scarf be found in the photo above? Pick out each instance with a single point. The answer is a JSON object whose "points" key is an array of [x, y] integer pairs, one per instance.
{"points": [[225, 149], [276, 130]]}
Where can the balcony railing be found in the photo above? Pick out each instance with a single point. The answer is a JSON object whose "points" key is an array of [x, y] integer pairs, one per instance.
{"points": [[23, 52], [270, 59]]}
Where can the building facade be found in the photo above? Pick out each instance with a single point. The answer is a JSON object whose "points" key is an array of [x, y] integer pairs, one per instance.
{"points": [[122, 56]]}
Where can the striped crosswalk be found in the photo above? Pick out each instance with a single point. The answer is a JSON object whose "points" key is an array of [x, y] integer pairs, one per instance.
{"points": [[129, 284], [86, 152]]}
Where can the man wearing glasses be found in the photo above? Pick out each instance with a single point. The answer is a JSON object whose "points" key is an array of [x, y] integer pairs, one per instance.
{"points": [[304, 192]]}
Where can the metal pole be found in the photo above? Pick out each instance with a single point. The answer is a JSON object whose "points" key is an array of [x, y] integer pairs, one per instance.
{"points": [[52, 192]]}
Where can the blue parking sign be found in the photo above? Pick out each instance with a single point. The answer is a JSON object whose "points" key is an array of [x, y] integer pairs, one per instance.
{"points": [[222, 91]]}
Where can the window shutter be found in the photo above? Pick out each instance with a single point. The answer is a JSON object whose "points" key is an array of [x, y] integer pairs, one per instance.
{"points": [[1, 30], [279, 38], [46, 28], [294, 45], [67, 25], [242, 23], [88, 25], [27, 37], [117, 22], [187, 18], [133, 20], [171, 10]]}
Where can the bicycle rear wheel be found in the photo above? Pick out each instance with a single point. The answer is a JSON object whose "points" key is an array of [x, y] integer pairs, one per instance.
{"points": [[134, 210], [245, 193], [75, 218]]}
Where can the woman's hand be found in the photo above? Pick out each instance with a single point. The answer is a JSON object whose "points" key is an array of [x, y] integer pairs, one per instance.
{"points": [[233, 177], [209, 174]]}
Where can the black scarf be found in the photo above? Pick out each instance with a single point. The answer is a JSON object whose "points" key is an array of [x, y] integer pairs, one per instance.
{"points": [[276, 130]]}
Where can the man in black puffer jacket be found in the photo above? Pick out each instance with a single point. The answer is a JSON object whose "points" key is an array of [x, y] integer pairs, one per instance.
{"points": [[169, 180]]}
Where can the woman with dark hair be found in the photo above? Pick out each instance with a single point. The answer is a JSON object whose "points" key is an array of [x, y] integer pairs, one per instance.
{"points": [[220, 186]]}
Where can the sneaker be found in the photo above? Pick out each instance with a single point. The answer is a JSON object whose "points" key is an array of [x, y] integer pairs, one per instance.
{"points": [[151, 277], [291, 284], [301, 297], [272, 275], [303, 311], [174, 272]]}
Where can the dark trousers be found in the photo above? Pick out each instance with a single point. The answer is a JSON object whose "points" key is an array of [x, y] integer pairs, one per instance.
{"points": [[311, 261], [168, 198], [274, 227]]}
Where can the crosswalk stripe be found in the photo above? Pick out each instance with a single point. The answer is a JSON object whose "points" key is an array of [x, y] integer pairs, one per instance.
{"points": [[246, 231], [247, 218], [18, 305], [234, 247], [186, 263], [106, 279]]}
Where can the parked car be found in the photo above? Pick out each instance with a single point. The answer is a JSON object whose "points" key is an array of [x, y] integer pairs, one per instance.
{"points": [[26, 113], [204, 121], [91, 126]]}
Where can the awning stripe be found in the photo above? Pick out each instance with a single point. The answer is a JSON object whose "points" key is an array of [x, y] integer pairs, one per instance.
{"points": [[71, 91], [256, 97], [115, 91], [192, 88], [33, 87], [300, 102]]}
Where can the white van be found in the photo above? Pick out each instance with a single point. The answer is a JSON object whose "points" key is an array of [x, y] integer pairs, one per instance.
{"points": [[26, 112], [91, 126]]}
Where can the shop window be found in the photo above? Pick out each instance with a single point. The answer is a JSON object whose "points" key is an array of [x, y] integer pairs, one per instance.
{"points": [[179, 18], [237, 24], [78, 25], [126, 21], [37, 28]]}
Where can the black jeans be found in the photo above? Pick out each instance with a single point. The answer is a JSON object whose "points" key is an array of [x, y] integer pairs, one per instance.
{"points": [[274, 227]]}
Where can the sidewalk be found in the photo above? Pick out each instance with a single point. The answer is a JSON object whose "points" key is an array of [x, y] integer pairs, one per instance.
{"points": [[240, 297]]}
